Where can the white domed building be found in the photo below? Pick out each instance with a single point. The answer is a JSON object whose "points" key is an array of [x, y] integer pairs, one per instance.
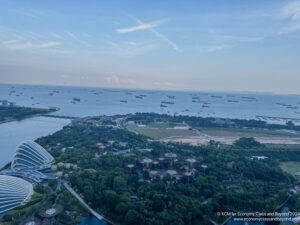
{"points": [[31, 155], [14, 192]]}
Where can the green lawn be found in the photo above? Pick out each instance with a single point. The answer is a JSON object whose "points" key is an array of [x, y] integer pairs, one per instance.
{"points": [[163, 125], [290, 167]]}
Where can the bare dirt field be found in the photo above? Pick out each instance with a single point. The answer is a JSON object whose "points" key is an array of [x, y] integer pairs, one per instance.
{"points": [[200, 140], [246, 132], [202, 136]]}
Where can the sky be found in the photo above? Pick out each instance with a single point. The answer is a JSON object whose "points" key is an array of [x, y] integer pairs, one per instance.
{"points": [[215, 45]]}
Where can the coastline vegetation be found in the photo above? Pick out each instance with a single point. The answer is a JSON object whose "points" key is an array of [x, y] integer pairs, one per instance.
{"points": [[10, 113], [132, 179]]}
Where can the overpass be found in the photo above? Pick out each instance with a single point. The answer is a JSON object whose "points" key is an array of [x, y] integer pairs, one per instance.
{"points": [[94, 213]]}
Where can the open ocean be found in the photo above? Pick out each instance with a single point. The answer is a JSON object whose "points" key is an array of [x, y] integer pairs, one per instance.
{"points": [[89, 101]]}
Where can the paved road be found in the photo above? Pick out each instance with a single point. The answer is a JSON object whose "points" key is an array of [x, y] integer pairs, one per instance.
{"points": [[282, 204], [99, 217], [213, 222]]}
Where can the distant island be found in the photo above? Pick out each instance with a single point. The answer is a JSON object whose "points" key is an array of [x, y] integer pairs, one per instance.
{"points": [[139, 169], [10, 112]]}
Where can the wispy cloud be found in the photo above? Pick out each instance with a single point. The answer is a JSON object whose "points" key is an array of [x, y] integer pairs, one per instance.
{"points": [[117, 80], [112, 78], [291, 11], [236, 39], [20, 37], [163, 85], [150, 27], [9, 42], [16, 45], [65, 76], [143, 26], [164, 38], [290, 28], [33, 35], [34, 14], [55, 35], [220, 42], [213, 47], [130, 49], [72, 35]]}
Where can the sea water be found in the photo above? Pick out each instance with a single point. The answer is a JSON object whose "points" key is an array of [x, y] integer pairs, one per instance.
{"points": [[88, 101]]}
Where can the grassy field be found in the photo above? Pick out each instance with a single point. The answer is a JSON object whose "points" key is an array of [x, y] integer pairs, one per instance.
{"points": [[159, 133], [290, 167], [164, 125], [239, 132]]}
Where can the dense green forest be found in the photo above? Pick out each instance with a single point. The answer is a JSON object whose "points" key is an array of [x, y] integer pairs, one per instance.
{"points": [[121, 186]]}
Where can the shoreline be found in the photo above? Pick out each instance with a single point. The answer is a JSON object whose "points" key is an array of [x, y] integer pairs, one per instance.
{"points": [[49, 110]]}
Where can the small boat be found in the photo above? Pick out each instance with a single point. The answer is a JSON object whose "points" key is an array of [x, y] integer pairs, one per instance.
{"points": [[166, 102], [292, 107], [124, 101], [76, 99], [196, 98], [163, 106], [251, 98], [232, 101]]}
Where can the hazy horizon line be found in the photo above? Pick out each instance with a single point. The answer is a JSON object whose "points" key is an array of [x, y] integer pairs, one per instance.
{"points": [[149, 89]]}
